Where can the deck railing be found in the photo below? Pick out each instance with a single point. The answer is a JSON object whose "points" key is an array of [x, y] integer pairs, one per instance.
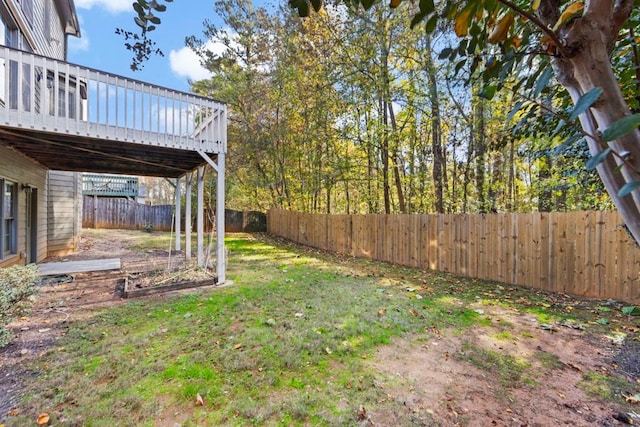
{"points": [[109, 185], [45, 94]]}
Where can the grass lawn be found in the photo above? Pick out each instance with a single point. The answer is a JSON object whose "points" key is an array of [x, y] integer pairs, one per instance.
{"points": [[290, 343]]}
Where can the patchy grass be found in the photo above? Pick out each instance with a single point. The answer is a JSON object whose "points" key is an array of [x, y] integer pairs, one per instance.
{"points": [[17, 284], [509, 369], [285, 345], [288, 344], [548, 360], [605, 385]]}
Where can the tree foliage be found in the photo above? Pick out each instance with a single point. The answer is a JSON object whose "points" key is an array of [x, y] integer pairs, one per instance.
{"points": [[471, 106]]}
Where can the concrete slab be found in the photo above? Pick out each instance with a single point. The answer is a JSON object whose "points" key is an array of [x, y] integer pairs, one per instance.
{"points": [[67, 267]]}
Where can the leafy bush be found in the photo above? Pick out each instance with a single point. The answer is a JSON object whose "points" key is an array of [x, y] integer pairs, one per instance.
{"points": [[148, 227], [17, 284]]}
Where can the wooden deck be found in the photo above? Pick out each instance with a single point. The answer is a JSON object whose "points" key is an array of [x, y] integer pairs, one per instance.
{"points": [[74, 118]]}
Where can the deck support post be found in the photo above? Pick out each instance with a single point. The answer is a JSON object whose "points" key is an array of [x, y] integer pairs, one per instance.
{"points": [[200, 220], [178, 216], [221, 263], [218, 166], [187, 217]]}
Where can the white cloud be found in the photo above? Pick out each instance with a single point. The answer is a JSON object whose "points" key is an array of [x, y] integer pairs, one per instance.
{"points": [[185, 63], [113, 6], [80, 44]]}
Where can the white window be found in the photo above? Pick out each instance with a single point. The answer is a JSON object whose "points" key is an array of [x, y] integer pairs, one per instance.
{"points": [[8, 215], [4, 35]]}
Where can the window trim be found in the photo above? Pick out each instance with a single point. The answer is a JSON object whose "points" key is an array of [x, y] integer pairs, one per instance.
{"points": [[16, 19], [12, 220]]}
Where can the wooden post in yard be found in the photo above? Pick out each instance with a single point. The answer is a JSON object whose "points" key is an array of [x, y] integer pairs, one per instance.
{"points": [[178, 215], [187, 217], [95, 210]]}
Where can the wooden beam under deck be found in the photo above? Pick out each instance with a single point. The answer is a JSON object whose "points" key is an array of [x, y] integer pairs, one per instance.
{"points": [[81, 154]]}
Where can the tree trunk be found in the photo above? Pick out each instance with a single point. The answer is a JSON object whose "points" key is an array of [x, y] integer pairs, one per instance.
{"points": [[398, 162], [436, 133], [544, 191], [384, 157], [480, 150], [589, 42], [510, 187]]}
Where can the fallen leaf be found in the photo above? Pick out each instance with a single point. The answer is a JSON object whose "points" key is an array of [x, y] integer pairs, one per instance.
{"points": [[574, 367], [199, 400], [43, 419], [298, 315], [382, 311], [362, 413], [13, 412], [623, 418], [237, 346], [632, 398]]}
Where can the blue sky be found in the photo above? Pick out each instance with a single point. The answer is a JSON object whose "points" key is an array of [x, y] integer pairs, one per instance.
{"points": [[100, 48]]}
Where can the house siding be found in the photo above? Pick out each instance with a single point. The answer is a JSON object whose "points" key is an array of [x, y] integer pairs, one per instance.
{"points": [[64, 212], [49, 36], [59, 216], [20, 169], [45, 30]]}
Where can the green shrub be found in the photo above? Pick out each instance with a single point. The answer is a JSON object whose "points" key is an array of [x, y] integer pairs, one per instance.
{"points": [[17, 284]]}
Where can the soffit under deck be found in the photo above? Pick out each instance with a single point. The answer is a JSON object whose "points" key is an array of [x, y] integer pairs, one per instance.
{"points": [[83, 154]]}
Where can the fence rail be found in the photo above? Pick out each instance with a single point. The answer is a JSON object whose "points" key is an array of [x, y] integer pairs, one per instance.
{"points": [[579, 253]]}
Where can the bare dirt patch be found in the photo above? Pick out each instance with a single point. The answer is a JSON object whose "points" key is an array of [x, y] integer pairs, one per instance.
{"points": [[463, 378]]}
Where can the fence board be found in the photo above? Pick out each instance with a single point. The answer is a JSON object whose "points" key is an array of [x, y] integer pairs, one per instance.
{"points": [[100, 212], [111, 212], [582, 253]]}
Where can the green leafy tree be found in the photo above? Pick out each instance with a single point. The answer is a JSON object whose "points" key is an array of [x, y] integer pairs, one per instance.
{"points": [[580, 43], [530, 48]]}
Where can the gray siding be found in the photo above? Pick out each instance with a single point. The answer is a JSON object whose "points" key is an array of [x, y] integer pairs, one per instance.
{"points": [[45, 29], [59, 194], [49, 36], [18, 168], [64, 212]]}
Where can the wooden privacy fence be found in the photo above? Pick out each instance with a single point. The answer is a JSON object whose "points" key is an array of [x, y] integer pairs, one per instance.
{"points": [[111, 212], [579, 253], [114, 212]]}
